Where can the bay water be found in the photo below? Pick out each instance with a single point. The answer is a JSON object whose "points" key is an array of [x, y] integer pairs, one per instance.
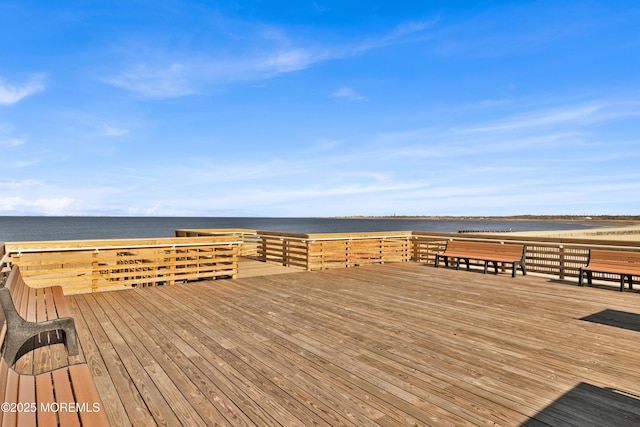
{"points": [[40, 228]]}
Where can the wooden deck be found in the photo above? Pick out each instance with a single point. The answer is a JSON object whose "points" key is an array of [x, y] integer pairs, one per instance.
{"points": [[386, 345], [251, 267]]}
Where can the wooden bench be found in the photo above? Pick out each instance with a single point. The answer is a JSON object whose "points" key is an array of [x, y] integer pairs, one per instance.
{"points": [[485, 251], [63, 397], [34, 318], [626, 264]]}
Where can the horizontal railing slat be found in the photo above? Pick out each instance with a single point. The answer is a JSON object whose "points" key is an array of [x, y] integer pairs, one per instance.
{"points": [[92, 266]]}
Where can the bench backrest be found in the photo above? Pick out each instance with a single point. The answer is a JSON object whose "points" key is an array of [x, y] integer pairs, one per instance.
{"points": [[15, 294], [19, 290], [31, 304], [613, 257], [507, 249]]}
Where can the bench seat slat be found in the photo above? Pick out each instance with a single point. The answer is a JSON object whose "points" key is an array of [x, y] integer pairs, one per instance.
{"points": [[60, 305], [484, 256], [30, 313], [86, 393], [26, 395], [44, 396], [53, 390], [10, 395], [624, 263], [42, 308], [621, 268], [62, 389]]}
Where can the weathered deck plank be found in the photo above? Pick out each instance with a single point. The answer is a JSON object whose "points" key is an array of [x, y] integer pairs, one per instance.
{"points": [[395, 344]]}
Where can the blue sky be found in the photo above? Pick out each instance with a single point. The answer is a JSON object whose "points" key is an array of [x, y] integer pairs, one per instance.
{"points": [[319, 108]]}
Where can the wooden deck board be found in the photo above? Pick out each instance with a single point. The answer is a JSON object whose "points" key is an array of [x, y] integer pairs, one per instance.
{"points": [[382, 345]]}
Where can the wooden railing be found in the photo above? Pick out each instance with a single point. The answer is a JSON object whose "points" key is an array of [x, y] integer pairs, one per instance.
{"points": [[90, 266], [333, 250], [100, 265], [316, 251], [248, 238], [559, 258]]}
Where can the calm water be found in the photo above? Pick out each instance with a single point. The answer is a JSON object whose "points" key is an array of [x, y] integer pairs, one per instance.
{"points": [[15, 229]]}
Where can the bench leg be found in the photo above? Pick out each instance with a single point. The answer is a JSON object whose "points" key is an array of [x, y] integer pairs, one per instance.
{"points": [[590, 278], [27, 336], [622, 283], [71, 338], [457, 263], [630, 282], [437, 259], [495, 266], [486, 264], [515, 268], [580, 281], [466, 261]]}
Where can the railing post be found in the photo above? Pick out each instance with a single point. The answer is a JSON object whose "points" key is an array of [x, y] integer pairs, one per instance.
{"points": [[263, 247], [172, 265], [235, 252], [283, 242], [561, 272], [413, 241], [95, 271]]}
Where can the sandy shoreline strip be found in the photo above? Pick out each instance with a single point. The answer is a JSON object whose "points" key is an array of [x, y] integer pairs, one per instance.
{"points": [[629, 232]]}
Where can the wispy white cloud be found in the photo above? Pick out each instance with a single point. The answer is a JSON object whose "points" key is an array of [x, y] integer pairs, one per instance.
{"points": [[18, 185], [7, 137], [154, 81], [9, 142], [156, 209], [544, 117], [11, 93], [87, 125], [324, 144], [19, 163], [487, 103], [405, 29], [538, 131], [404, 32], [273, 53], [348, 94], [110, 130], [289, 60], [46, 206]]}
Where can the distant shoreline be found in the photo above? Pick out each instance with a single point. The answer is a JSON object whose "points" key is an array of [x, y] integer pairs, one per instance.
{"points": [[630, 219]]}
